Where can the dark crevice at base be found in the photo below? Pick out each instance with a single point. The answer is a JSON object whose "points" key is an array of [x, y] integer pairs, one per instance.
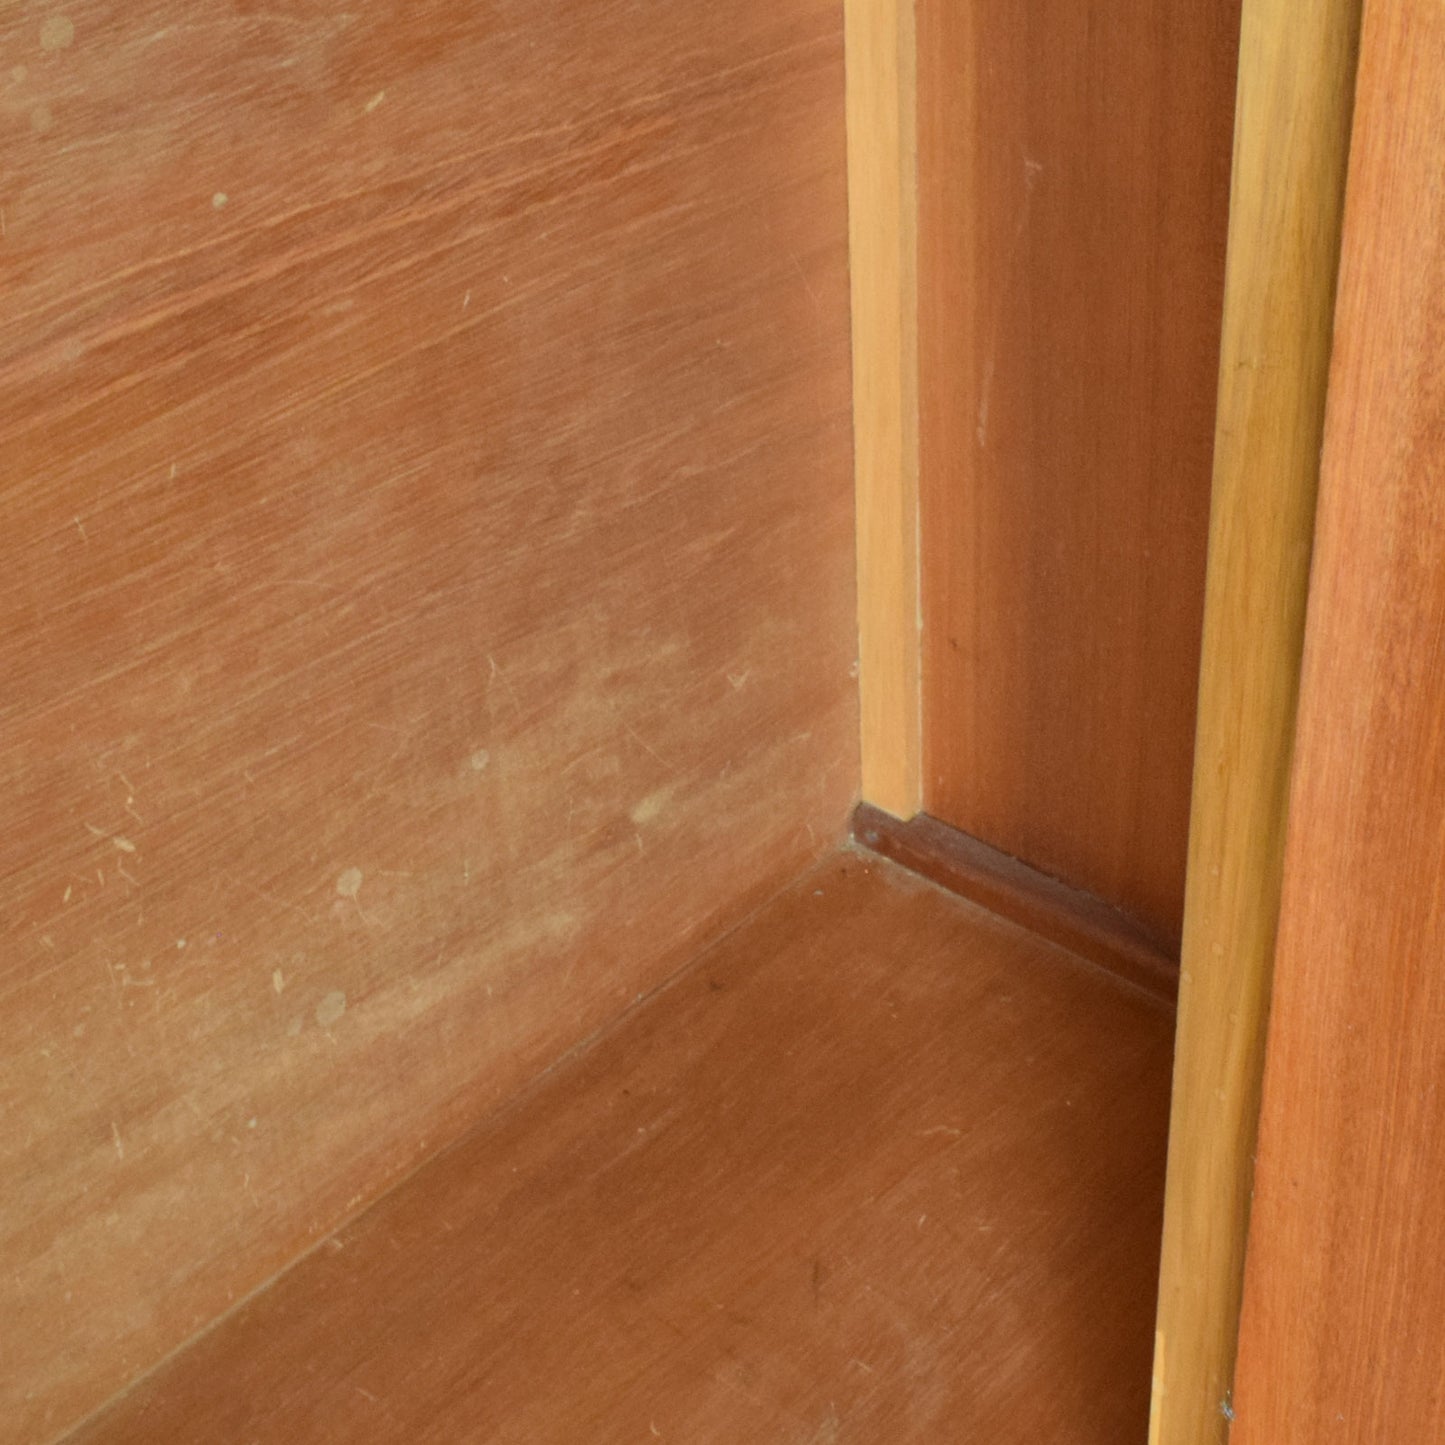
{"points": [[1075, 920]]}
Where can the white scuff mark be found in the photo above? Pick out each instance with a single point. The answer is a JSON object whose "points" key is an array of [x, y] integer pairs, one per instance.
{"points": [[651, 808], [375, 101], [278, 980], [739, 680], [331, 1008], [479, 760], [985, 394], [466, 300], [115, 1134], [348, 885], [219, 201], [57, 33], [80, 527]]}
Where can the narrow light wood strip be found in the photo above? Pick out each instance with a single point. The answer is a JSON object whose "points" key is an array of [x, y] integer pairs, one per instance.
{"points": [[882, 170], [1291, 145]]}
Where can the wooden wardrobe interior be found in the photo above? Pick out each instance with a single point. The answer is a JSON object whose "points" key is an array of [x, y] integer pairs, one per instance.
{"points": [[487, 492]]}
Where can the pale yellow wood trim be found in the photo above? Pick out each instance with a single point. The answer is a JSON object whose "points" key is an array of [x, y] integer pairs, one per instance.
{"points": [[1292, 126], [882, 205]]}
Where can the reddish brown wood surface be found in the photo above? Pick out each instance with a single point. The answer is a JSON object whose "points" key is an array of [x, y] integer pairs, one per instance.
{"points": [[881, 1167], [1073, 193], [1343, 1338], [426, 597], [1063, 915]]}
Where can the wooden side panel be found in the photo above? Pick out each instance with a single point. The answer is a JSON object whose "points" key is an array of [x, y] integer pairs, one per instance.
{"points": [[1343, 1336], [1292, 137], [426, 593], [1073, 189], [883, 252]]}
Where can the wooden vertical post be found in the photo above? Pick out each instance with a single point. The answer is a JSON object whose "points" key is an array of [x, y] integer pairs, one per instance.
{"points": [[1342, 1336], [1292, 129], [882, 203]]}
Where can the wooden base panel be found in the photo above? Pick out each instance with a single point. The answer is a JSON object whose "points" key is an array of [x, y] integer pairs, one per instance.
{"points": [[1075, 920], [878, 1166]]}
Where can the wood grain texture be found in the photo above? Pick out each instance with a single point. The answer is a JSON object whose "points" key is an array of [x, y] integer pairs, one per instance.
{"points": [[1343, 1334], [1292, 137], [426, 594], [1073, 191], [883, 252], [779, 1203], [1076, 921]]}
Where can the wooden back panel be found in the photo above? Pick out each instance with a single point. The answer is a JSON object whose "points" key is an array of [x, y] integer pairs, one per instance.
{"points": [[1073, 194], [1343, 1335], [426, 600]]}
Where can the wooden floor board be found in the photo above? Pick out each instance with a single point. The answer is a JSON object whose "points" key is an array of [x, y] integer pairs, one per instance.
{"points": [[879, 1166]]}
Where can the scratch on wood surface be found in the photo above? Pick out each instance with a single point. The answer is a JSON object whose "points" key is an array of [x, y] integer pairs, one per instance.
{"points": [[497, 675], [270, 898], [646, 746], [121, 842]]}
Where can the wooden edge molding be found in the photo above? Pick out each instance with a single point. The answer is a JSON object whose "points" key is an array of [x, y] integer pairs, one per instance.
{"points": [[1292, 129], [883, 249], [1067, 916]]}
